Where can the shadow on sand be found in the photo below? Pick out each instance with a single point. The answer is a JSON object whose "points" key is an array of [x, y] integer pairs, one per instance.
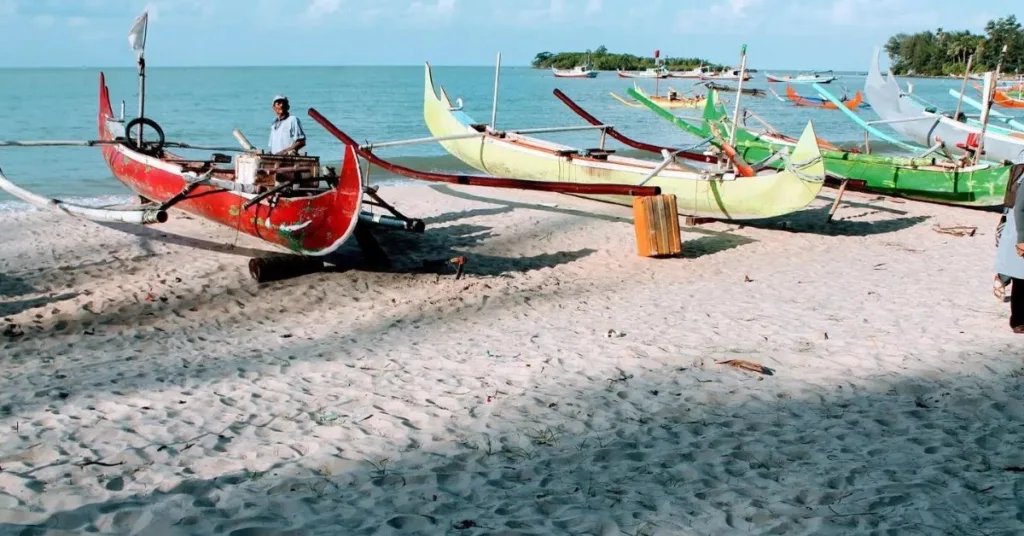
{"points": [[933, 456]]}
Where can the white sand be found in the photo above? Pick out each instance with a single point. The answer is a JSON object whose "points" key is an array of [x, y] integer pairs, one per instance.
{"points": [[362, 402]]}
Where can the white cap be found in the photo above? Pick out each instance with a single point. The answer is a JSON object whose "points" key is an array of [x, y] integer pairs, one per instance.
{"points": [[280, 97]]}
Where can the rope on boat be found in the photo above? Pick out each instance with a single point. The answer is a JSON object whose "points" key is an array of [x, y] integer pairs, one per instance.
{"points": [[769, 159], [796, 167], [695, 146]]}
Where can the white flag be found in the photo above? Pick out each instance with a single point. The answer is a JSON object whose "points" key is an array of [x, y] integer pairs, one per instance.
{"points": [[137, 37]]}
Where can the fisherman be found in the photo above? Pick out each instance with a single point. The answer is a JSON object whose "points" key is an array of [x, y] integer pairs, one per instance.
{"points": [[286, 135]]}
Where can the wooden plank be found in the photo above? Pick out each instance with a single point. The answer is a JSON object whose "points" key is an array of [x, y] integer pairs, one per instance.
{"points": [[657, 226]]}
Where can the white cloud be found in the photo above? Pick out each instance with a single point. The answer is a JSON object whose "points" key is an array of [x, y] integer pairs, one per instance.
{"points": [[593, 7], [440, 10], [8, 7], [726, 14], [739, 8], [320, 8], [77, 21]]}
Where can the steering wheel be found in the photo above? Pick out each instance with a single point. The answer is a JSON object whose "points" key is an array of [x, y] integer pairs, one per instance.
{"points": [[147, 147]]}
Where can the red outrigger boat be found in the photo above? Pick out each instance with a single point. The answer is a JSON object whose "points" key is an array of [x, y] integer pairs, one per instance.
{"points": [[305, 217], [290, 201]]}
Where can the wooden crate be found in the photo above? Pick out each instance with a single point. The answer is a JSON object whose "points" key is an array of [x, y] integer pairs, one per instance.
{"points": [[657, 226]]}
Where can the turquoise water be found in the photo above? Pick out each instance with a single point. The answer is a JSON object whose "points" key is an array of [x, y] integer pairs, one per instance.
{"points": [[203, 105]]}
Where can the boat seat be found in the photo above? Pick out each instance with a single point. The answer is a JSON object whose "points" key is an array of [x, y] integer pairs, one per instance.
{"points": [[567, 152]]}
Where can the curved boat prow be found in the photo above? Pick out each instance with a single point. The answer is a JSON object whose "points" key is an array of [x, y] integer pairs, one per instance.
{"points": [[806, 157]]}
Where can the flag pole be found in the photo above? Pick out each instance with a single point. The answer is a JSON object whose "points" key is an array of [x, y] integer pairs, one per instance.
{"points": [[142, 92]]}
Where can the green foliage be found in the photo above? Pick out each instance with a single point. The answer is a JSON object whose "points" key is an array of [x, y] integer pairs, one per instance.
{"points": [[603, 60], [941, 53]]}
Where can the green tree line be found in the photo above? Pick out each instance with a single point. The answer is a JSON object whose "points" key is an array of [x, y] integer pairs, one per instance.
{"points": [[942, 53], [602, 60]]}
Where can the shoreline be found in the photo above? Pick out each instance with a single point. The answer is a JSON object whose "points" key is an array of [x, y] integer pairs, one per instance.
{"points": [[563, 384]]}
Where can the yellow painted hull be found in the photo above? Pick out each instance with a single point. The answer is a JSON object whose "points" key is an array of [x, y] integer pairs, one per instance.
{"points": [[663, 102], [699, 192]]}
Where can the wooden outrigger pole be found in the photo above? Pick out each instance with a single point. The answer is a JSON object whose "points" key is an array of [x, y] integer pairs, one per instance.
{"points": [[990, 88], [963, 87]]}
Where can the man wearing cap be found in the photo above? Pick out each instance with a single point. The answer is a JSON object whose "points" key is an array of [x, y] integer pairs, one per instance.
{"points": [[286, 135]]}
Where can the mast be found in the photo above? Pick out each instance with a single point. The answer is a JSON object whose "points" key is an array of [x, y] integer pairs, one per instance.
{"points": [[657, 73], [494, 108], [137, 40], [739, 92]]}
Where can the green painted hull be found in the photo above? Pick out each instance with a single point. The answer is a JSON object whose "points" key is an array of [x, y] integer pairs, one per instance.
{"points": [[924, 179]]}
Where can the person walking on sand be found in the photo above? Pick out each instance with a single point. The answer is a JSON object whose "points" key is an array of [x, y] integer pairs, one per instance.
{"points": [[1001, 281], [1010, 252]]}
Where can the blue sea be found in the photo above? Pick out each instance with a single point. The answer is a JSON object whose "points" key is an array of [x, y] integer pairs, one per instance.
{"points": [[203, 105]]}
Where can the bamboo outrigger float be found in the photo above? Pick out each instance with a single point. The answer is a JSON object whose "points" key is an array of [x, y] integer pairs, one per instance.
{"points": [[701, 192], [288, 201]]}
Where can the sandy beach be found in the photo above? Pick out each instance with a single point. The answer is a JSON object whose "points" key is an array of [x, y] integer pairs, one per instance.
{"points": [[563, 385]]}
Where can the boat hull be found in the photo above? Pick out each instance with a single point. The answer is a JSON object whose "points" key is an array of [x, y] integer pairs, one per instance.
{"points": [[924, 179], [310, 225], [918, 124], [801, 80], [573, 73], [698, 193]]}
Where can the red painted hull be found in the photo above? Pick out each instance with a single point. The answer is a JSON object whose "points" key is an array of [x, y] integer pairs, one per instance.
{"points": [[313, 225]]}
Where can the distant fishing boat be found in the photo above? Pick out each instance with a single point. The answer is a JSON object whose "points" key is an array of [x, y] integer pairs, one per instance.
{"points": [[576, 72], [694, 73], [653, 72], [733, 74], [580, 71], [816, 77]]}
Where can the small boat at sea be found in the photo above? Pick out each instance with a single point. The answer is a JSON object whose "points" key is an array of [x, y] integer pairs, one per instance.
{"points": [[580, 71], [730, 74], [653, 72], [817, 77], [672, 99], [695, 74], [798, 100]]}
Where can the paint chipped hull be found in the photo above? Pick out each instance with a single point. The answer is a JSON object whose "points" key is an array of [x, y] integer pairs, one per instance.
{"points": [[311, 225]]}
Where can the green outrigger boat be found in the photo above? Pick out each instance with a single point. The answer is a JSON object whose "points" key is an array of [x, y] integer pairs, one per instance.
{"points": [[934, 179]]}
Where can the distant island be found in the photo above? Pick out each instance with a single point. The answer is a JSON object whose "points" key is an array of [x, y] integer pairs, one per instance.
{"points": [[942, 53], [602, 60]]}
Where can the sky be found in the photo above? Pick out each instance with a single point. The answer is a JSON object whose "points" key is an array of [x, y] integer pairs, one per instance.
{"points": [[780, 34]]}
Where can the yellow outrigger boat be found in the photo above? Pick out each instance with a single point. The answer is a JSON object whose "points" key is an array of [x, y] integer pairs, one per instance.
{"points": [[670, 101], [700, 192]]}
